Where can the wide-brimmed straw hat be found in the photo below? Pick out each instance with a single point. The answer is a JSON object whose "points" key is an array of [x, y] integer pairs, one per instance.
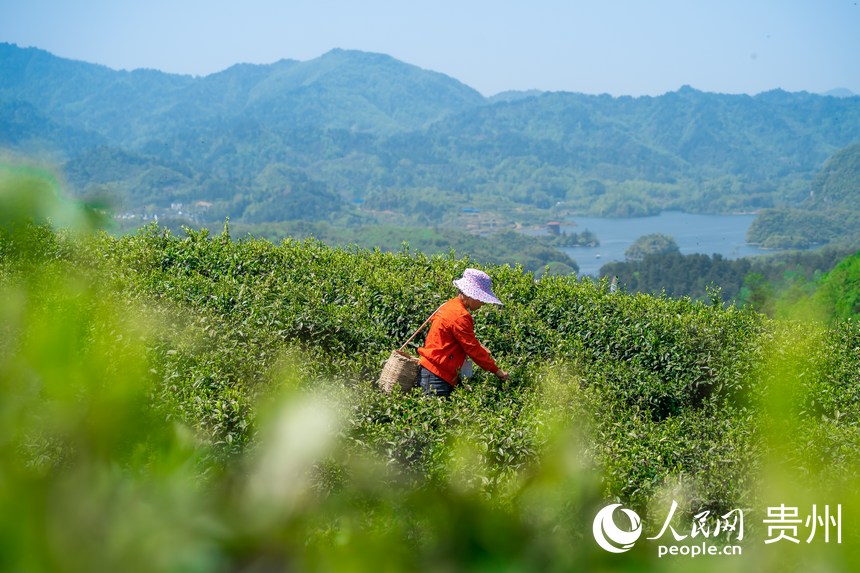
{"points": [[478, 285]]}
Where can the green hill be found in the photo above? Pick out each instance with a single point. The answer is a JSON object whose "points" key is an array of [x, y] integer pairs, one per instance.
{"points": [[339, 90], [372, 129], [837, 185], [830, 213], [28, 131]]}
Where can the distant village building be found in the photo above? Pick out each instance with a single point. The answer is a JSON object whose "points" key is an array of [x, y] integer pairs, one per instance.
{"points": [[553, 227]]}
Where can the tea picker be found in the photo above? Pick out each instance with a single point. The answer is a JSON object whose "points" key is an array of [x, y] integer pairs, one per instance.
{"points": [[450, 341]]}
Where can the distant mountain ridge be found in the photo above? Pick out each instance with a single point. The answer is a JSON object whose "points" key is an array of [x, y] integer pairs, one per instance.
{"points": [[359, 127], [384, 94], [840, 92]]}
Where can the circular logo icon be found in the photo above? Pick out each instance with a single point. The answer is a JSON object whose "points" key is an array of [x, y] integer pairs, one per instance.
{"points": [[612, 538]]}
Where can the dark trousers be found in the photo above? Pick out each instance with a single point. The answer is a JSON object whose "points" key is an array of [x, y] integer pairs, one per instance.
{"points": [[432, 385]]}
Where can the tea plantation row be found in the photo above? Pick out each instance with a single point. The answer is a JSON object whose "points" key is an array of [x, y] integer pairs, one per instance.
{"points": [[662, 385], [612, 396]]}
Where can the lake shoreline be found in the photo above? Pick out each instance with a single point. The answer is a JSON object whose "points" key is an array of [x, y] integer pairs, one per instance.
{"points": [[724, 235]]}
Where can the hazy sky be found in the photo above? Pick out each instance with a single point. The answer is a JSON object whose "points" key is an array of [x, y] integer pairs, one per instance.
{"points": [[620, 47]]}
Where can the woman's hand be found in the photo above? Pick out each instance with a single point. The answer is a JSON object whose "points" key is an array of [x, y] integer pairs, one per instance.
{"points": [[502, 375]]}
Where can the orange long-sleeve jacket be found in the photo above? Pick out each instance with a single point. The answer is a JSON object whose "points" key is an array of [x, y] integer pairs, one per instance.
{"points": [[451, 338]]}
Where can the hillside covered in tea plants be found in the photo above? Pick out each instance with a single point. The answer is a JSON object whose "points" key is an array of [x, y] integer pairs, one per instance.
{"points": [[215, 398]]}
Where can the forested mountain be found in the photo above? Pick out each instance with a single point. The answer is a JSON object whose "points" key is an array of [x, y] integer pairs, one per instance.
{"points": [[25, 128], [830, 213], [357, 128], [837, 186], [339, 90]]}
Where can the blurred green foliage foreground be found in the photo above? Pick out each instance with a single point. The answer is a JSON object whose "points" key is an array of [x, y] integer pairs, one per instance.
{"points": [[199, 403]]}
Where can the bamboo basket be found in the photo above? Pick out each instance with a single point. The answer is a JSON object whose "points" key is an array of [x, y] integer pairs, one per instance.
{"points": [[401, 369]]}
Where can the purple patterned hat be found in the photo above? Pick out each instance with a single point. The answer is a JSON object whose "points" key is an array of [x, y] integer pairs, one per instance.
{"points": [[478, 285]]}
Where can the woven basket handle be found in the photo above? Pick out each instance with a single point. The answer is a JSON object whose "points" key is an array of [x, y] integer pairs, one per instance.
{"points": [[420, 328]]}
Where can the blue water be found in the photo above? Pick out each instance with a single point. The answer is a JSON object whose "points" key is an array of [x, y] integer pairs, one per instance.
{"points": [[706, 234]]}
